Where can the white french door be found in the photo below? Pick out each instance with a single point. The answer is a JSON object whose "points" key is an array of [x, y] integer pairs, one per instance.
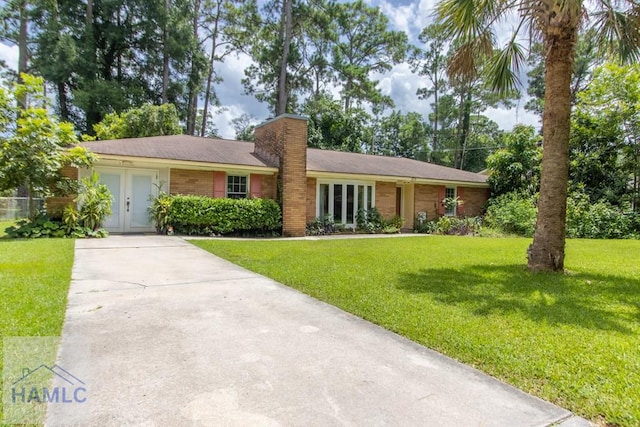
{"points": [[132, 190]]}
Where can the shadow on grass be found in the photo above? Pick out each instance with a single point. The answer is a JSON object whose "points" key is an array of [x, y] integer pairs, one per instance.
{"points": [[608, 303]]}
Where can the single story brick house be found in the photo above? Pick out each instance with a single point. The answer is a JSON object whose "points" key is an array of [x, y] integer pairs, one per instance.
{"points": [[313, 182]]}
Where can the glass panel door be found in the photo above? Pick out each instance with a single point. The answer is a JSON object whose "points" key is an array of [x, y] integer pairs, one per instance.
{"points": [[350, 205], [337, 202], [323, 209], [113, 181], [140, 190]]}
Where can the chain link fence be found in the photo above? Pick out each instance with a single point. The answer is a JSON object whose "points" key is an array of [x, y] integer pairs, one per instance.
{"points": [[17, 207]]}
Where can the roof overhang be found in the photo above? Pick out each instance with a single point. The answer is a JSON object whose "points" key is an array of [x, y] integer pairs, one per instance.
{"points": [[396, 179], [132, 161]]}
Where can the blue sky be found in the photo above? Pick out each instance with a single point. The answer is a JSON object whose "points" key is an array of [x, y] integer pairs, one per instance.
{"points": [[400, 83]]}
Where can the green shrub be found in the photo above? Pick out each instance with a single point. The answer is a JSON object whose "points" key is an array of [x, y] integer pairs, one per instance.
{"points": [[94, 205], [322, 226], [512, 213], [159, 212], [422, 225], [200, 215], [457, 226], [372, 221], [40, 226], [598, 220]]}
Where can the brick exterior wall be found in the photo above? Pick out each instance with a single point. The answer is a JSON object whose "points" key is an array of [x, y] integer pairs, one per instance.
{"points": [[269, 186], [426, 199], [285, 139], [191, 182], [311, 199], [55, 205], [474, 200], [386, 198]]}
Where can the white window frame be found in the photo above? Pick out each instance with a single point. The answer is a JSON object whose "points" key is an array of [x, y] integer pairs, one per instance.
{"points": [[247, 186], [454, 212], [331, 183]]}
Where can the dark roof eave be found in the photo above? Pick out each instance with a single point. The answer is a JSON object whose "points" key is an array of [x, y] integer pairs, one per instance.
{"points": [[415, 179]]}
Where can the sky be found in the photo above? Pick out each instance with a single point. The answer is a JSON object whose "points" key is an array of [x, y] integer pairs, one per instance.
{"points": [[399, 83]]}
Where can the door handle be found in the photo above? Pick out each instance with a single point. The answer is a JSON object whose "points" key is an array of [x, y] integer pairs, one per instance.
{"points": [[128, 203]]}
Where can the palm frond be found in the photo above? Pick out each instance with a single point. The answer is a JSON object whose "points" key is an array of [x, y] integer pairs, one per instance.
{"points": [[618, 31], [460, 19], [465, 20], [502, 69], [462, 65]]}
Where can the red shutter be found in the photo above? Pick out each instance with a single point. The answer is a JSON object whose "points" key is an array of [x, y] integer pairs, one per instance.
{"points": [[219, 184], [255, 181], [441, 195], [460, 208]]}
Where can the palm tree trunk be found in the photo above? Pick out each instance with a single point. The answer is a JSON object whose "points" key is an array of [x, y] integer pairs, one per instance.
{"points": [[546, 253]]}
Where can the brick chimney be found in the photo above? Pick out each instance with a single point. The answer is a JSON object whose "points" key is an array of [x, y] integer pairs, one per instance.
{"points": [[283, 141]]}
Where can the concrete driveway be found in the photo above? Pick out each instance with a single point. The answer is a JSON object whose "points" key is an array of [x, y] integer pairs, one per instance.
{"points": [[179, 337]]}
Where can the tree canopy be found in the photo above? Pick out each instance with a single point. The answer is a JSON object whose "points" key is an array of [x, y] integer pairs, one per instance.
{"points": [[31, 150]]}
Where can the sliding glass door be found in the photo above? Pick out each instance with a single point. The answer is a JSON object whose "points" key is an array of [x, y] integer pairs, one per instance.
{"points": [[342, 200]]}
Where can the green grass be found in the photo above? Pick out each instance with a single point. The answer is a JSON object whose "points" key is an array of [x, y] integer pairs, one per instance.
{"points": [[34, 280], [573, 339], [4, 224]]}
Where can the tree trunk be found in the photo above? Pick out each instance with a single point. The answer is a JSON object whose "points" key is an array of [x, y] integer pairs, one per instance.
{"points": [[165, 53], [23, 56], [466, 124], [434, 146], [32, 207], [212, 57], [281, 106], [194, 90], [546, 253], [63, 101]]}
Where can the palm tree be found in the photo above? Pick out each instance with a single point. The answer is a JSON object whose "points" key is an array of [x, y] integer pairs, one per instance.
{"points": [[474, 25]]}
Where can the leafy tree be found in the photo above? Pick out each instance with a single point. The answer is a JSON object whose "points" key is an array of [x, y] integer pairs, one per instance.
{"points": [[31, 150], [587, 58], [403, 135], [227, 25], [595, 167], [365, 46], [244, 125], [330, 127], [484, 135], [431, 63], [612, 100], [148, 120], [516, 167], [266, 47], [472, 24], [211, 131]]}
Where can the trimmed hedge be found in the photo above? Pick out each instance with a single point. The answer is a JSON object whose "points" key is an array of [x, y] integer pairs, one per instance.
{"points": [[201, 215]]}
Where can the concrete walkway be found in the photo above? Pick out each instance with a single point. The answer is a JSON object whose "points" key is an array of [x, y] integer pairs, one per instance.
{"points": [[179, 337]]}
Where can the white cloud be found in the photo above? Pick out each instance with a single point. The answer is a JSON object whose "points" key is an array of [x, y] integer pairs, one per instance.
{"points": [[9, 54], [506, 119], [401, 17], [231, 95], [222, 120]]}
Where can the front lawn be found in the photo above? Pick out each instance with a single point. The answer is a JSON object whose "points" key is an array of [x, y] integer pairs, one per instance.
{"points": [[4, 224], [34, 280], [573, 339]]}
